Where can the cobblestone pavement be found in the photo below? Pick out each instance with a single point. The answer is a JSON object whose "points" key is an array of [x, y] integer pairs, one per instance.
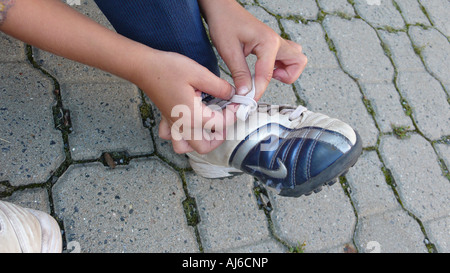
{"points": [[380, 65]]}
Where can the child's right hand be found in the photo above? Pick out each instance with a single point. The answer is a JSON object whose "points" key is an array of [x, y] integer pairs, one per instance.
{"points": [[173, 82]]}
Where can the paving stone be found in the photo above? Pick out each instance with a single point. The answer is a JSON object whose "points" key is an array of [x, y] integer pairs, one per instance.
{"points": [[358, 49], [312, 39], [13, 50], [412, 12], [444, 152], [134, 208], [332, 92], [402, 52], [381, 14], [389, 232], [266, 246], [35, 198], [439, 234], [224, 206], [264, 17], [105, 118], [279, 93], [322, 221], [428, 100], [424, 190], [30, 146], [438, 11], [369, 190], [306, 9], [385, 101], [435, 50], [337, 6]]}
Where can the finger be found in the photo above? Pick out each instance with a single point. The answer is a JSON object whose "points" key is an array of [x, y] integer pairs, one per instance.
{"points": [[164, 129], [235, 60], [264, 66], [209, 83], [210, 141], [181, 146], [215, 119], [290, 62]]}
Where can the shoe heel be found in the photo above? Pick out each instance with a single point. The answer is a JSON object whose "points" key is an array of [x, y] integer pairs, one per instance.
{"points": [[208, 170]]}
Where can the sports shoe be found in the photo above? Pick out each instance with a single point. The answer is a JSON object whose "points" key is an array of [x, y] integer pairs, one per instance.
{"points": [[27, 231], [290, 149]]}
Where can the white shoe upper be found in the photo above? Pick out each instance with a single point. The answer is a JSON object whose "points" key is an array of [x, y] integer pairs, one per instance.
{"points": [[252, 122], [27, 231]]}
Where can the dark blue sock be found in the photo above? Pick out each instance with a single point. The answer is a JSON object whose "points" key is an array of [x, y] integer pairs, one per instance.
{"points": [[169, 25]]}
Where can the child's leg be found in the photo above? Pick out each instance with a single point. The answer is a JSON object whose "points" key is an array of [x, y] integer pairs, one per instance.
{"points": [[169, 25]]}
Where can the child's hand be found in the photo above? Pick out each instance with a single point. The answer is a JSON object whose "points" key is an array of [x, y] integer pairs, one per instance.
{"points": [[236, 34], [173, 82]]}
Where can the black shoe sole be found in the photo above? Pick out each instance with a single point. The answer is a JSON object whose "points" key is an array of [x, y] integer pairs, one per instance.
{"points": [[329, 176]]}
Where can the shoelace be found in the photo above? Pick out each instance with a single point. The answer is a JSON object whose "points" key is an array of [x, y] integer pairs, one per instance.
{"points": [[248, 105]]}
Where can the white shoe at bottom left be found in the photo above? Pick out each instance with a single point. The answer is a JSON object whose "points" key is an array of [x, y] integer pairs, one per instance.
{"points": [[24, 230]]}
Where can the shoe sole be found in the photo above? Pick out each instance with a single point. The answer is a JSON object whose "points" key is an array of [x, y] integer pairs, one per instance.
{"points": [[329, 176]]}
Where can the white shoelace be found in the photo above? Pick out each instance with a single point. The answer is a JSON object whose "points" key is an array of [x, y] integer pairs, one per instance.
{"points": [[248, 105]]}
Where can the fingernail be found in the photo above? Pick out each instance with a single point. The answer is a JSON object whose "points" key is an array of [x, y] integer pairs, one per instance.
{"points": [[242, 91]]}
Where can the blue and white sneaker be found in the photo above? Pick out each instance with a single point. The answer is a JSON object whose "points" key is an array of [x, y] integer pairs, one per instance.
{"points": [[290, 149]]}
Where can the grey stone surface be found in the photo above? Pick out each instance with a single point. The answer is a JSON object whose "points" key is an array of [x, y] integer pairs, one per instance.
{"points": [[369, 65], [322, 222], [266, 246], [36, 199], [30, 146], [439, 233], [134, 208], [444, 152], [428, 100], [389, 232], [312, 38], [336, 6], [431, 44], [369, 190], [402, 51], [223, 206], [105, 118], [423, 189], [13, 50], [380, 14], [264, 17], [306, 9], [359, 50], [386, 104], [437, 11], [412, 12]]}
